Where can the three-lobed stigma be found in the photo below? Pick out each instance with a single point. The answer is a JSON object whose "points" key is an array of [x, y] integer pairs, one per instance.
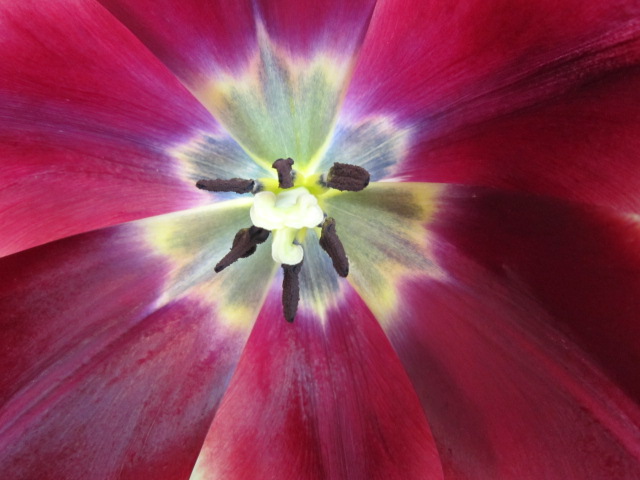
{"points": [[285, 215]]}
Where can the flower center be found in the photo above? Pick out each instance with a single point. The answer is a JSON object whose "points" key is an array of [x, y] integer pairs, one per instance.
{"points": [[285, 215], [287, 212]]}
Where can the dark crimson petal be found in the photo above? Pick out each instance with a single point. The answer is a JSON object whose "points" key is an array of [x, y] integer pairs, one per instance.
{"points": [[539, 96], [424, 59], [316, 399], [582, 264], [102, 375], [506, 394], [583, 145], [88, 123], [139, 410]]}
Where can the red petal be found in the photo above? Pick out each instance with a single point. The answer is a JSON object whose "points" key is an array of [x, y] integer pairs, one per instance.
{"points": [[96, 380], [313, 400], [539, 96], [507, 396], [423, 58], [88, 120], [582, 264], [583, 146]]}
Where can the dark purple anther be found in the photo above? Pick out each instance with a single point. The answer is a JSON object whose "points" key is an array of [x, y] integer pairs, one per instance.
{"points": [[244, 244], [285, 173], [236, 185], [343, 176], [331, 244], [291, 290]]}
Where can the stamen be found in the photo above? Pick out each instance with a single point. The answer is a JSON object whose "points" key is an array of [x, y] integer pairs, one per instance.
{"points": [[285, 173], [331, 244], [291, 290], [237, 185], [343, 176], [285, 213], [244, 244]]}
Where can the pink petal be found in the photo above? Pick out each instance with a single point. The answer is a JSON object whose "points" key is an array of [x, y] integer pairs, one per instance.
{"points": [[98, 378], [319, 399], [506, 395], [539, 96], [88, 123], [582, 264]]}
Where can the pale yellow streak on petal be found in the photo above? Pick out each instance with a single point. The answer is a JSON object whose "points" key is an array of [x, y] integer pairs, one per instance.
{"points": [[384, 232], [194, 241]]}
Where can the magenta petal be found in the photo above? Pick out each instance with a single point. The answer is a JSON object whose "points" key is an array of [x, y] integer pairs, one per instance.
{"points": [[314, 401], [88, 122], [538, 96], [582, 264], [584, 145], [424, 57], [199, 39], [96, 379], [506, 395], [325, 25]]}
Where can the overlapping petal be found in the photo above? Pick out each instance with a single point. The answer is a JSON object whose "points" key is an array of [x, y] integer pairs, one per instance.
{"points": [[506, 395], [138, 410], [434, 58], [514, 317], [273, 73], [198, 39], [316, 400], [582, 146], [582, 264], [535, 96], [118, 344], [89, 120], [194, 38]]}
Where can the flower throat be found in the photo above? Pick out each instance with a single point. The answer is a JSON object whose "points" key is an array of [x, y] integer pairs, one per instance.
{"points": [[286, 210]]}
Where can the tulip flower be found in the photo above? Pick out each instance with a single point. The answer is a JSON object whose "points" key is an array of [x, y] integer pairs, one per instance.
{"points": [[440, 197]]}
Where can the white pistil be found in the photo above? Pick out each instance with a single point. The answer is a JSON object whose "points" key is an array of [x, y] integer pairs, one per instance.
{"points": [[284, 215]]}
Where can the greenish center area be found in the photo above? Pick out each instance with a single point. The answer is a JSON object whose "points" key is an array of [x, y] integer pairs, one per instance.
{"points": [[280, 107]]}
